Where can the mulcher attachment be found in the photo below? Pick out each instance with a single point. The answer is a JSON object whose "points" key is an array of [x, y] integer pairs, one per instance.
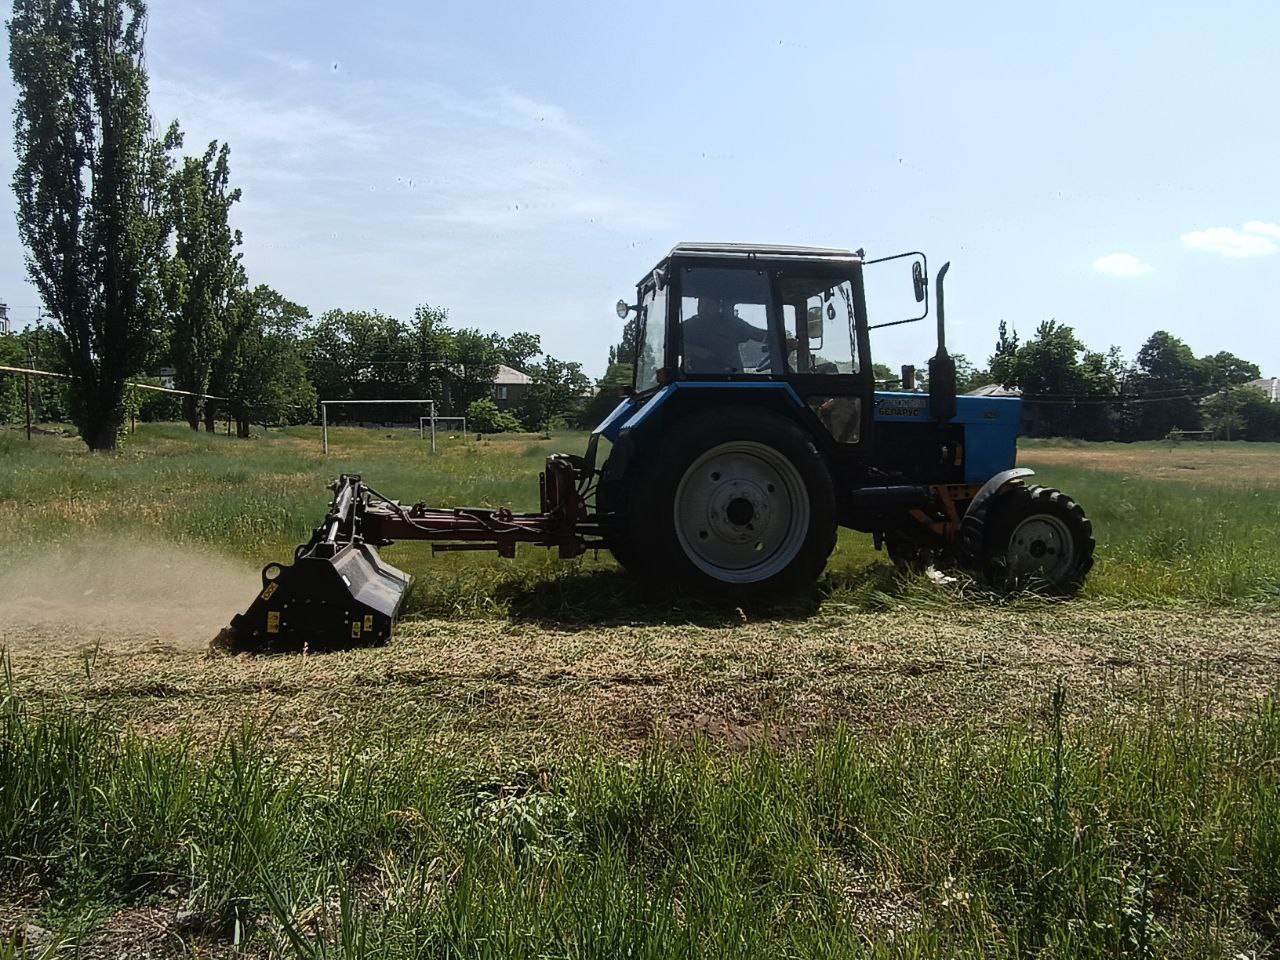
{"points": [[337, 592]]}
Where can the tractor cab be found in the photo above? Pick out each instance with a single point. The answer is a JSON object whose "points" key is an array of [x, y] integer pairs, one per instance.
{"points": [[774, 318]]}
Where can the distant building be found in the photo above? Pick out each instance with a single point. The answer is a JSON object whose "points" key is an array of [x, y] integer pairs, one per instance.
{"points": [[1268, 385], [510, 386], [166, 376]]}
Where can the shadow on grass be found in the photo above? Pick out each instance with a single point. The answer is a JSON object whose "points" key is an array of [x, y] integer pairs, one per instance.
{"points": [[588, 599]]}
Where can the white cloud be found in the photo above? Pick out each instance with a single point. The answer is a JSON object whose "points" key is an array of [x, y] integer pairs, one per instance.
{"points": [[1255, 239], [1121, 265]]}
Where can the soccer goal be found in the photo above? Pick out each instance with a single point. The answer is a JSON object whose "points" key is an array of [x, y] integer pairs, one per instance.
{"points": [[430, 426], [326, 404]]}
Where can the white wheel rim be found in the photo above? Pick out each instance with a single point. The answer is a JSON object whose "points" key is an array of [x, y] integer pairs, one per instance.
{"points": [[741, 512], [1041, 547]]}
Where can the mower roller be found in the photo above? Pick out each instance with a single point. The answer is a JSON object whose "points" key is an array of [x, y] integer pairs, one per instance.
{"points": [[753, 430]]}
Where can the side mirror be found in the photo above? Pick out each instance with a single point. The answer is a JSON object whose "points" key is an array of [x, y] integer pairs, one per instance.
{"points": [[887, 293], [813, 325]]}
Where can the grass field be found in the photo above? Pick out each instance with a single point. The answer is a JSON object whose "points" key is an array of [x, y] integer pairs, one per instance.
{"points": [[549, 761]]}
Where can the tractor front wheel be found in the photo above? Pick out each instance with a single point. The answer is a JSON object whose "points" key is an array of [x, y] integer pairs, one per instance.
{"points": [[1037, 537], [736, 499]]}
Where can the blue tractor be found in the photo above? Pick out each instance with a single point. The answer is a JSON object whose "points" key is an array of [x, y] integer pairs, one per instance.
{"points": [[753, 431]]}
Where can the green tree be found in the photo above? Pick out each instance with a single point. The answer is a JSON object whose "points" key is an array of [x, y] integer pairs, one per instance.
{"points": [[625, 350], [519, 349], [154, 406], [204, 277], [89, 182], [13, 353], [433, 353], [558, 392], [619, 377], [1004, 362], [37, 346], [1223, 370], [1171, 382], [968, 376], [474, 364], [360, 355], [483, 416], [267, 379], [1067, 390]]}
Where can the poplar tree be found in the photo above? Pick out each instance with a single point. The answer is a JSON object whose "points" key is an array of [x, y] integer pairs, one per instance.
{"points": [[90, 183]]}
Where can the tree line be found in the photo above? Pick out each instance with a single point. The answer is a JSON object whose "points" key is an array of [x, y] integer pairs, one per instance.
{"points": [[1071, 391], [131, 248]]}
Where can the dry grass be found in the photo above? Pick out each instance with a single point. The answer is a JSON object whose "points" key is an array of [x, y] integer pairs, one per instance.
{"points": [[1233, 466]]}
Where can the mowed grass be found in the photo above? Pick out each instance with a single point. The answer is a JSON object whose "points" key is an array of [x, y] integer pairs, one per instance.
{"points": [[1198, 524]]}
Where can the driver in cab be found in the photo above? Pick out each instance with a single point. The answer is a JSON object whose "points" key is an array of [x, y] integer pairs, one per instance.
{"points": [[712, 337]]}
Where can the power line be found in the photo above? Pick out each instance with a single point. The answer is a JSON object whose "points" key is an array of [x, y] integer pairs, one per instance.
{"points": [[127, 383]]}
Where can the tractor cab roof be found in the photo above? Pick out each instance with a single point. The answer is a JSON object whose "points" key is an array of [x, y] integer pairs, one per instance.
{"points": [[746, 253]]}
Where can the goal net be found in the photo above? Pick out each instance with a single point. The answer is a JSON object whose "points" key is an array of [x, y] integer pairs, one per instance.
{"points": [[376, 414], [429, 427]]}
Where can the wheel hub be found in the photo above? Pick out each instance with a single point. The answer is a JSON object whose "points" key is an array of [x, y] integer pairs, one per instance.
{"points": [[737, 511], [1041, 547]]}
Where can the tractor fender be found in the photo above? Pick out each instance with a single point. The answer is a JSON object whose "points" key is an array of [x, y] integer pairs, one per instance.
{"points": [[973, 524], [994, 485], [645, 424]]}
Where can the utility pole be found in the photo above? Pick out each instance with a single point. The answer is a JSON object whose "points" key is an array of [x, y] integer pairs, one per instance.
{"points": [[31, 365]]}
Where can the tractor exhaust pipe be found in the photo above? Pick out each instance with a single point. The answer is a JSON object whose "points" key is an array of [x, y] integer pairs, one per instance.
{"points": [[942, 368]]}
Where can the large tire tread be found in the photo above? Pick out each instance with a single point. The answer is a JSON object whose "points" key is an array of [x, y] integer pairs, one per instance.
{"points": [[985, 534]]}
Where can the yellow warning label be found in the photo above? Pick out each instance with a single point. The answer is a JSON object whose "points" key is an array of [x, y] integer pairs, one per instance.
{"points": [[368, 622], [271, 588], [355, 629], [273, 621]]}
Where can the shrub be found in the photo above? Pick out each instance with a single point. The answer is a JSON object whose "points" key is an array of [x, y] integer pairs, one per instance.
{"points": [[483, 416]]}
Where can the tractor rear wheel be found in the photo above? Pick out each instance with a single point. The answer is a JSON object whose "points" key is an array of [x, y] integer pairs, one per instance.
{"points": [[612, 506], [1036, 537], [736, 499]]}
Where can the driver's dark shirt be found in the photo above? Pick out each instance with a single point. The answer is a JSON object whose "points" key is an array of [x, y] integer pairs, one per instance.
{"points": [[711, 343]]}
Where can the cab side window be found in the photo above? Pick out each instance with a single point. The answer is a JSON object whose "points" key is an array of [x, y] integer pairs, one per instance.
{"points": [[823, 310]]}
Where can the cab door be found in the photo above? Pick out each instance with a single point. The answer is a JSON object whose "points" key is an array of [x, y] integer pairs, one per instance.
{"points": [[823, 328]]}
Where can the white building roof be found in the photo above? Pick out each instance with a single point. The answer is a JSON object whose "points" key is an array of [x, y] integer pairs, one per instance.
{"points": [[1268, 385], [994, 390], [507, 376]]}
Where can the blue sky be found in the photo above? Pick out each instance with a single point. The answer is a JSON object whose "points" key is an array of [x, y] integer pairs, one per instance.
{"points": [[1109, 165]]}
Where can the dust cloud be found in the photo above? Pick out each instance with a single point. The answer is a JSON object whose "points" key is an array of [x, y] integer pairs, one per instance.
{"points": [[119, 591]]}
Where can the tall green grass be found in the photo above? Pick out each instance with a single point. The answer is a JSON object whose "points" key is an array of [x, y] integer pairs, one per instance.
{"points": [[1157, 836]]}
